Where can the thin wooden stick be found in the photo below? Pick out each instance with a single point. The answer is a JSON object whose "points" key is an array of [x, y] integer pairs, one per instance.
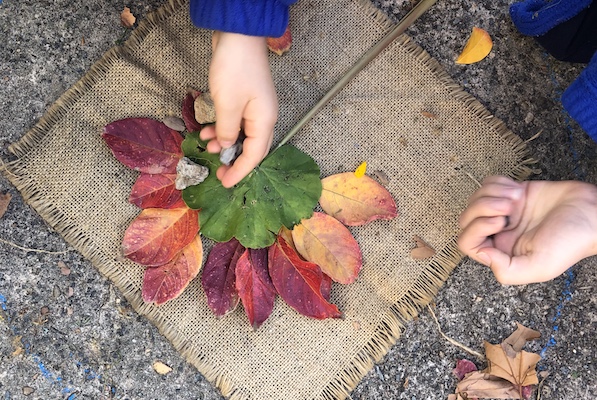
{"points": [[398, 30], [454, 342], [34, 250]]}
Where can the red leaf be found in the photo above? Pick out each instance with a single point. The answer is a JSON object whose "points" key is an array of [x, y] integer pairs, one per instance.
{"points": [[299, 282], [323, 240], [144, 144], [156, 191], [463, 367], [188, 111], [254, 286], [280, 45], [157, 235], [168, 281], [219, 277], [326, 287]]}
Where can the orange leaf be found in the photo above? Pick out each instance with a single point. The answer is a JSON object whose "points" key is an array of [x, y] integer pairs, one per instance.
{"points": [[356, 201], [127, 19], [323, 240], [281, 44], [156, 235], [519, 370], [168, 281], [477, 47]]}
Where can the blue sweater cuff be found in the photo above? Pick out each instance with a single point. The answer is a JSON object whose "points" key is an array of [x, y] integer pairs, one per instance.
{"points": [[580, 99], [249, 17], [536, 17]]}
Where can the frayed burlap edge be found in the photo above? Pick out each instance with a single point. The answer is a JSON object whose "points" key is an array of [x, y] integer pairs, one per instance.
{"points": [[422, 292]]}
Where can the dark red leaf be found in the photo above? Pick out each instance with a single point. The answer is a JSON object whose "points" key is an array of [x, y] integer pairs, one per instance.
{"points": [[168, 281], [463, 367], [144, 144], [326, 286], [157, 235], [156, 191], [188, 111], [255, 286], [219, 277], [299, 282]]}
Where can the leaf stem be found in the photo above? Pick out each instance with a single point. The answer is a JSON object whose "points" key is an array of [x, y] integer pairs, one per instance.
{"points": [[398, 30]]}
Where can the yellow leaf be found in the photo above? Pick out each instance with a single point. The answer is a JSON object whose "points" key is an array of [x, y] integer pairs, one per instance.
{"points": [[361, 169], [477, 48], [161, 368]]}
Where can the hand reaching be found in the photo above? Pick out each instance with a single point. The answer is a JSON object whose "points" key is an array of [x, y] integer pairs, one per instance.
{"points": [[244, 95], [531, 231]]}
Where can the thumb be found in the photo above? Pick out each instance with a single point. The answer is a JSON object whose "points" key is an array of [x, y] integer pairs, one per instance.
{"points": [[507, 270]]}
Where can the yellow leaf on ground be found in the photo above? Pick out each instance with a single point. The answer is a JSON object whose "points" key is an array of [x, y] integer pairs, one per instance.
{"points": [[161, 368], [361, 170], [477, 48]]}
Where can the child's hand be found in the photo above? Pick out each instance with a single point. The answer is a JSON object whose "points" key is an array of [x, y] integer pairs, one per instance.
{"points": [[531, 231], [241, 86]]}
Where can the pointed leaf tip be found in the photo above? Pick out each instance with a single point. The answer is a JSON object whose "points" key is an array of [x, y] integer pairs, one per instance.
{"points": [[254, 286]]}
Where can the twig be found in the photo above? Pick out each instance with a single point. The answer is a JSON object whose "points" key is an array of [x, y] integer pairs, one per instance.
{"points": [[34, 250], [540, 386], [399, 29], [473, 178], [535, 136], [454, 342]]}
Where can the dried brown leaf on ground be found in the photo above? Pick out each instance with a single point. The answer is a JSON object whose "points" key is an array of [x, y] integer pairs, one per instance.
{"points": [[422, 251], [127, 19], [4, 201], [519, 370], [161, 368], [516, 341], [482, 385]]}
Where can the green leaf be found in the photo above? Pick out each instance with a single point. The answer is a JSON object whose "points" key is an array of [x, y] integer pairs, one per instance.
{"points": [[282, 190], [192, 146]]}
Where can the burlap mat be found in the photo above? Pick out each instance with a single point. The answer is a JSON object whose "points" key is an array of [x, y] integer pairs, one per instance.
{"points": [[401, 114]]}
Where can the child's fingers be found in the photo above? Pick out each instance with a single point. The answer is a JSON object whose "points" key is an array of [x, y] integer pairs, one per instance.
{"points": [[486, 207], [228, 120], [254, 150], [498, 186], [477, 234], [524, 268]]}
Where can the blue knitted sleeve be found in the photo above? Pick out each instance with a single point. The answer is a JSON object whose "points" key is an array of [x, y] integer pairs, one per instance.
{"points": [[249, 17], [536, 17], [580, 99]]}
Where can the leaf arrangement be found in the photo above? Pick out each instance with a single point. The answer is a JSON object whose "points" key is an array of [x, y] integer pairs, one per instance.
{"points": [[269, 240]]}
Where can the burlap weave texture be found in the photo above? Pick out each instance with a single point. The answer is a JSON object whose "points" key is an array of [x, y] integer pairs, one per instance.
{"points": [[401, 114]]}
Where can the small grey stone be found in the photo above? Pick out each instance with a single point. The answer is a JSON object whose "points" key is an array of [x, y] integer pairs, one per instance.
{"points": [[189, 173], [174, 123], [231, 153]]}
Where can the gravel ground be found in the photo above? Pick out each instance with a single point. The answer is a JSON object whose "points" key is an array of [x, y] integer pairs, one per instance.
{"points": [[67, 333]]}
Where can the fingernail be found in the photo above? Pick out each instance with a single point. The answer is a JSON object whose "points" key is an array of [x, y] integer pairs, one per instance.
{"points": [[516, 193], [484, 259], [226, 145]]}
